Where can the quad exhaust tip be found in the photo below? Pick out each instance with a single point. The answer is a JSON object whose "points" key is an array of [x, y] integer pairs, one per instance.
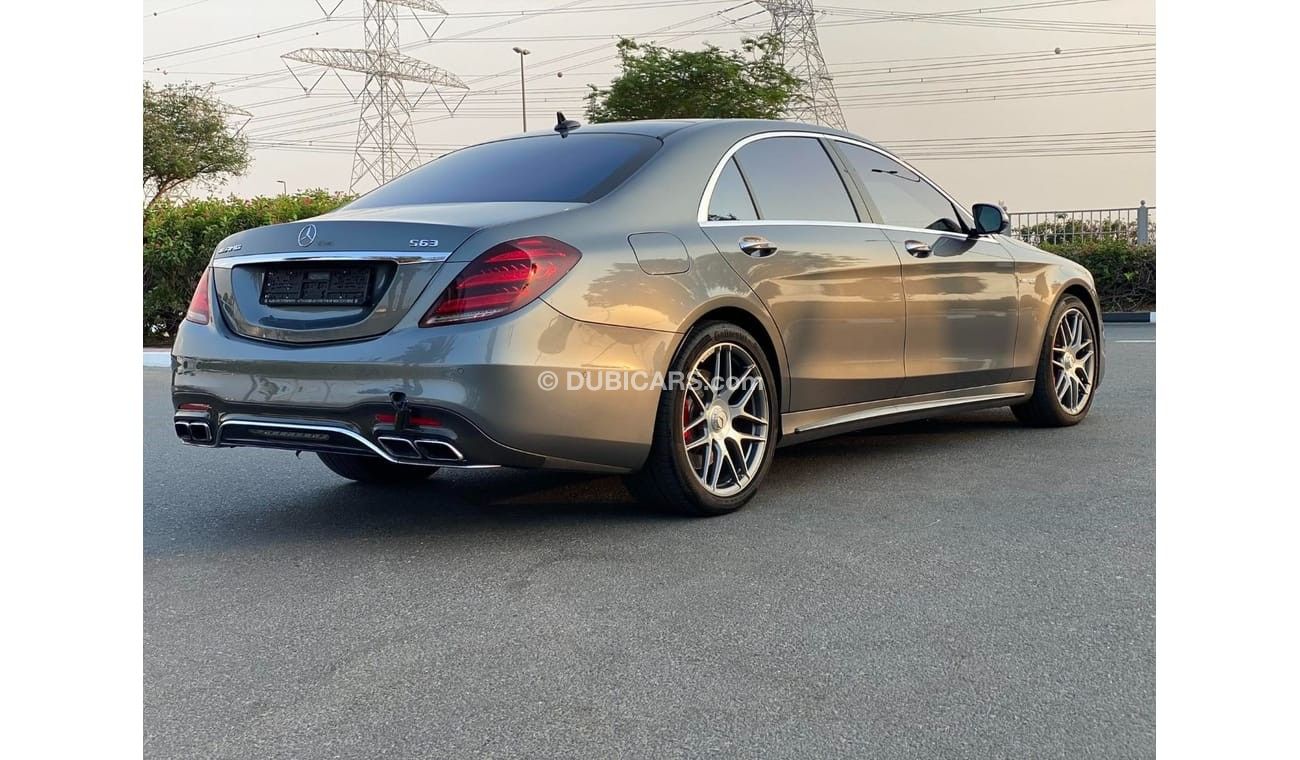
{"points": [[435, 450], [399, 447], [193, 432], [199, 431], [439, 451]]}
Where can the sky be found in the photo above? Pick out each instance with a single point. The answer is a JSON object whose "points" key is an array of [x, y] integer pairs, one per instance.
{"points": [[972, 92]]}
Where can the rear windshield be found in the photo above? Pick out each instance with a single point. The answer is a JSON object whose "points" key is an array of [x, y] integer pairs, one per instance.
{"points": [[578, 168]]}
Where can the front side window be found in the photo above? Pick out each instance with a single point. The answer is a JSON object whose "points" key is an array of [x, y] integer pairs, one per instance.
{"points": [[792, 178], [730, 199], [902, 197], [579, 168]]}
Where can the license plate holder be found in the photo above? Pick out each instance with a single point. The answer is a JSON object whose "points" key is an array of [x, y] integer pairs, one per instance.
{"points": [[317, 286]]}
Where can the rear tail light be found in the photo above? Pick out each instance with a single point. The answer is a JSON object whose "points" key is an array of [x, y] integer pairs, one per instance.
{"points": [[504, 278], [200, 310]]}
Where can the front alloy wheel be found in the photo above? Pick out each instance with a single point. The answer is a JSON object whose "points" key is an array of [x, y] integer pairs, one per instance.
{"points": [[1074, 359], [1067, 369]]}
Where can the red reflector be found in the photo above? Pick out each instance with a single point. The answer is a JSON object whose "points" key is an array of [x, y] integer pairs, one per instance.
{"points": [[200, 310], [195, 408], [389, 419], [503, 279]]}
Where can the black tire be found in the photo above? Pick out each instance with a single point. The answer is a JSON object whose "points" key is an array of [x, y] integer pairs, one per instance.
{"points": [[375, 470], [1044, 408], [667, 478]]}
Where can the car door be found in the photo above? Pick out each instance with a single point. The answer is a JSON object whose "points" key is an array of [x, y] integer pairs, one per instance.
{"points": [[783, 217], [960, 290]]}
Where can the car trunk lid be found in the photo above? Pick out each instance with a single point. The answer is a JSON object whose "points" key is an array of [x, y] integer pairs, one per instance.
{"points": [[349, 274]]}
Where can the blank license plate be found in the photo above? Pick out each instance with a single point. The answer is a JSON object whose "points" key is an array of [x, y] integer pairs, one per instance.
{"points": [[336, 286]]}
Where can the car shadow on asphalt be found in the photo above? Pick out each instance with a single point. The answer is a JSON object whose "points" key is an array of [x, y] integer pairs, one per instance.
{"points": [[461, 504], [465, 503]]}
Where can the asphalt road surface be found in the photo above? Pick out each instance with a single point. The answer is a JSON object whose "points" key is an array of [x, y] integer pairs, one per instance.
{"points": [[960, 587]]}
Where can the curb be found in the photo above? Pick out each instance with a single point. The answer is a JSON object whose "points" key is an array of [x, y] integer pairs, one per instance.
{"points": [[1129, 316], [158, 357]]}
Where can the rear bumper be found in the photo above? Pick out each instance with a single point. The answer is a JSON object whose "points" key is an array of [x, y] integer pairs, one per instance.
{"points": [[479, 381]]}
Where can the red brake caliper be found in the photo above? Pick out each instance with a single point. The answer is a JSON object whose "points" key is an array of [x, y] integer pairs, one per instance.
{"points": [[687, 435]]}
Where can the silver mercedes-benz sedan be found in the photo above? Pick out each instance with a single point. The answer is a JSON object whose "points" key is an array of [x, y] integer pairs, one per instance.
{"points": [[668, 299]]}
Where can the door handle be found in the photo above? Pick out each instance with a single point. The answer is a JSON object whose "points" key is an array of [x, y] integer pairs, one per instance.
{"points": [[754, 245], [917, 248]]}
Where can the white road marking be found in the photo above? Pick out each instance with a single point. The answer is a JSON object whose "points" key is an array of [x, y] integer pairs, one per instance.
{"points": [[1135, 341]]}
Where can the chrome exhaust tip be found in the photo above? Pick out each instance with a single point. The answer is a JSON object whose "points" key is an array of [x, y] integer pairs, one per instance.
{"points": [[439, 451], [200, 432], [183, 431], [399, 448]]}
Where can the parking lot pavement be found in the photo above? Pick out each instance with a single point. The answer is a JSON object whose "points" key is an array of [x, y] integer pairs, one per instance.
{"points": [[960, 587]]}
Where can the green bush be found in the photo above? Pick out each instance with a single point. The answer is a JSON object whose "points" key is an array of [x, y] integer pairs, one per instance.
{"points": [[179, 239], [1125, 272], [1070, 231]]}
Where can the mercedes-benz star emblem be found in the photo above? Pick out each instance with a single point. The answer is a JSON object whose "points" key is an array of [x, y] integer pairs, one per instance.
{"points": [[307, 236]]}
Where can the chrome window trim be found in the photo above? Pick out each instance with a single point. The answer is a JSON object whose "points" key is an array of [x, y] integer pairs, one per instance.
{"points": [[819, 223], [295, 257], [702, 213]]}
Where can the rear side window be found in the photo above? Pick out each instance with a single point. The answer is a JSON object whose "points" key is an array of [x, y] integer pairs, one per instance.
{"points": [[730, 200], [792, 178], [903, 198], [579, 168]]}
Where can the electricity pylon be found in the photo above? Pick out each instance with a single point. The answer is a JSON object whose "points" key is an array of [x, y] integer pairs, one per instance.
{"points": [[386, 145], [794, 22]]}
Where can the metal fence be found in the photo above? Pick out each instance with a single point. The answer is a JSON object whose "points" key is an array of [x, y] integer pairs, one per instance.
{"points": [[1133, 225]]}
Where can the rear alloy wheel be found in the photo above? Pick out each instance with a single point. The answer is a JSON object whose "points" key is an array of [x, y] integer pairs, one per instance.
{"points": [[1067, 369], [715, 436], [375, 470]]}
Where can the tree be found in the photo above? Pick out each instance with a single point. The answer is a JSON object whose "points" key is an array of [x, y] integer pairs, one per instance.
{"points": [[662, 83], [186, 139]]}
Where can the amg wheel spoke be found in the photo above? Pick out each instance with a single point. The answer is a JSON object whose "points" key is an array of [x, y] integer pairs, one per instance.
{"points": [[740, 383], [717, 464], [749, 393], [707, 459], [739, 470], [696, 376]]}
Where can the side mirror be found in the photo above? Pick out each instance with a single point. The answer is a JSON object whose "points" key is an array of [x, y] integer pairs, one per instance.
{"points": [[990, 219]]}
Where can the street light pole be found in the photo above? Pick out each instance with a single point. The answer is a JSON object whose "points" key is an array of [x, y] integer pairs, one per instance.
{"points": [[284, 188], [523, 91]]}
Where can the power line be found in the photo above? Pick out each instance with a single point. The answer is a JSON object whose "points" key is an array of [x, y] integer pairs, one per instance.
{"points": [[794, 23], [174, 8], [566, 60], [386, 146]]}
